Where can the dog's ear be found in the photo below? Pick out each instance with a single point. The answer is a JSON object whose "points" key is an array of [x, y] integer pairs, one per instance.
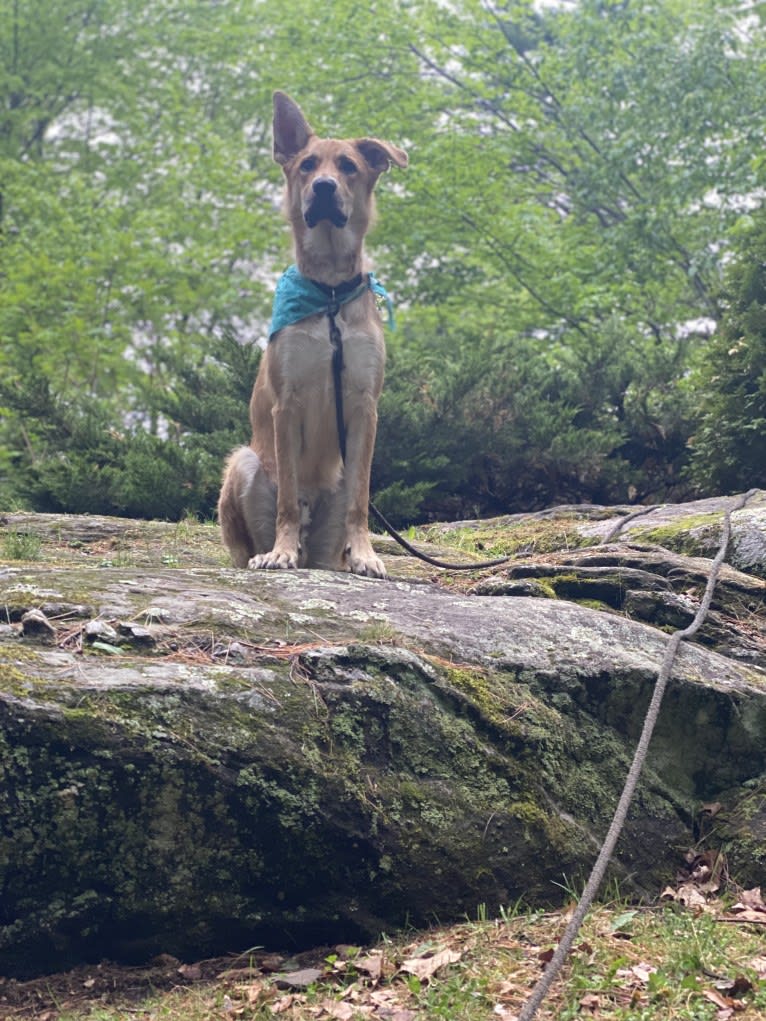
{"points": [[380, 155], [291, 130]]}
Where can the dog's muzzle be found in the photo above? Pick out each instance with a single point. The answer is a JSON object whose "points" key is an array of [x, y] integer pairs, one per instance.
{"points": [[324, 204]]}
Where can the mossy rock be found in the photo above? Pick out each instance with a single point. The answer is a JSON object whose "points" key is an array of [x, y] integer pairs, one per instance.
{"points": [[309, 757]]}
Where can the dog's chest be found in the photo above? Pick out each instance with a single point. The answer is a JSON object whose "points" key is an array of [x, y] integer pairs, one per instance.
{"points": [[305, 353]]}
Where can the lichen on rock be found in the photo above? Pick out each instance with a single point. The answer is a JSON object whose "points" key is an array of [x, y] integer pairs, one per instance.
{"points": [[206, 759]]}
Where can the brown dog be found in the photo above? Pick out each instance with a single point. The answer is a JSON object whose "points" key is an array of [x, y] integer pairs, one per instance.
{"points": [[289, 499]]}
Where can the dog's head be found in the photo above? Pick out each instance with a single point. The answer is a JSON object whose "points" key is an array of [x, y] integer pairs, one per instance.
{"points": [[329, 180]]}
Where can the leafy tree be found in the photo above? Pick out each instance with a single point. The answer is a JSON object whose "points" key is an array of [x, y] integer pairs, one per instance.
{"points": [[594, 160], [729, 446], [126, 243], [555, 246]]}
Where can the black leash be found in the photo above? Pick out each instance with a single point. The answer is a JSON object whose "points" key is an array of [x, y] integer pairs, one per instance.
{"points": [[336, 340], [480, 565], [334, 294]]}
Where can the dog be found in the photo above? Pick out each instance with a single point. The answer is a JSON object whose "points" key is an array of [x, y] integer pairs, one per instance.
{"points": [[290, 499]]}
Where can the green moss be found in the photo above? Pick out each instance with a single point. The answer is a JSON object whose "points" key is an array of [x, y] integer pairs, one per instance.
{"points": [[12, 679], [528, 811], [500, 538], [506, 705], [692, 535], [594, 604], [18, 673]]}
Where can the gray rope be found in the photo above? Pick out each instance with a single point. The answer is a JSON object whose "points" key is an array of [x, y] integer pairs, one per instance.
{"points": [[548, 977], [615, 531]]}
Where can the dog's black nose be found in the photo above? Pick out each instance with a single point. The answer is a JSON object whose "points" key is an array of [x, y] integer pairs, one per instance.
{"points": [[325, 186]]}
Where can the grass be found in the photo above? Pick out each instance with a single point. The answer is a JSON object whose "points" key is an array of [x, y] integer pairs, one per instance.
{"points": [[21, 546], [630, 964]]}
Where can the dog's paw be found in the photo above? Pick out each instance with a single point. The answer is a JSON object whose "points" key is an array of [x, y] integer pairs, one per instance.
{"points": [[276, 560], [364, 561]]}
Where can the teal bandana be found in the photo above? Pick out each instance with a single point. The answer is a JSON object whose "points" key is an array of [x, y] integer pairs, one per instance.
{"points": [[297, 297]]}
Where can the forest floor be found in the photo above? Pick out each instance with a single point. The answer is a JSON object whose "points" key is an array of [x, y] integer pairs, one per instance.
{"points": [[699, 961]]}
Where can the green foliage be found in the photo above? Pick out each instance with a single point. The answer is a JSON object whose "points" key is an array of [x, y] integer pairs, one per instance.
{"points": [[555, 247], [21, 545], [82, 463], [730, 386]]}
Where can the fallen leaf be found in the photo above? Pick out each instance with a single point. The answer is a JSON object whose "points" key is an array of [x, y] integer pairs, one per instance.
{"points": [[687, 894], [751, 899], [727, 1005], [504, 1014], [716, 998], [388, 999], [283, 1003], [591, 1003], [371, 966], [255, 991], [643, 972], [758, 964], [339, 1011], [707, 869], [424, 967], [508, 989]]}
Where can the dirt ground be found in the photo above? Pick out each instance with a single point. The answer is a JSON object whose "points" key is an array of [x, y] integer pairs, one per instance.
{"points": [[45, 998]]}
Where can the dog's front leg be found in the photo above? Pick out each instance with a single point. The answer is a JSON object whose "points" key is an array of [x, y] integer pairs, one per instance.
{"points": [[358, 554], [286, 551]]}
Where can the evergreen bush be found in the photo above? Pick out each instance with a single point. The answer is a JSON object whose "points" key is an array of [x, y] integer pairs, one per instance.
{"points": [[729, 445]]}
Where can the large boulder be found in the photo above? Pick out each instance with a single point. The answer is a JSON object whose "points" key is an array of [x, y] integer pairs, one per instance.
{"points": [[196, 759]]}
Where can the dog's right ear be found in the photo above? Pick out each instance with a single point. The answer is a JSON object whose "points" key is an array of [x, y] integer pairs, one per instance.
{"points": [[291, 130]]}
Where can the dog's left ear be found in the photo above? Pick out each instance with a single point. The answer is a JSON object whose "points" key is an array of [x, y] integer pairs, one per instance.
{"points": [[380, 155], [291, 129]]}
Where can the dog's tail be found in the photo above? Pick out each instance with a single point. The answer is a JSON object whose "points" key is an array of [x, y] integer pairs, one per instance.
{"points": [[246, 507]]}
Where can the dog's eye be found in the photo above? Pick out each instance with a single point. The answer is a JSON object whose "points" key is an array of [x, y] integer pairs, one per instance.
{"points": [[308, 164], [347, 166]]}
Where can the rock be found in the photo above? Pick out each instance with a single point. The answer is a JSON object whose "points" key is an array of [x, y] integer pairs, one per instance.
{"points": [[695, 529], [298, 979], [99, 630], [136, 634], [34, 624], [373, 752], [650, 584]]}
